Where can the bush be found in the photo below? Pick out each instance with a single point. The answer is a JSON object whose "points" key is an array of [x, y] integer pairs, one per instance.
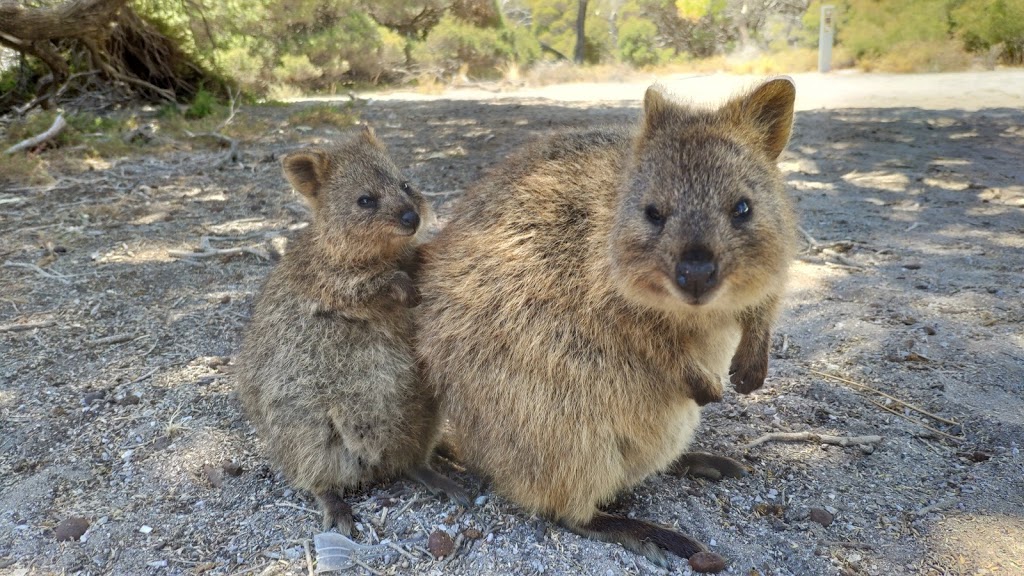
{"points": [[296, 69], [202, 105], [988, 24], [637, 42], [871, 29], [454, 43]]}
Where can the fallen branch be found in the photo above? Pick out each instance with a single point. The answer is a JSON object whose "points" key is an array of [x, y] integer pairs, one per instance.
{"points": [[60, 92], [58, 125], [51, 275], [884, 395], [26, 326], [915, 421], [813, 437], [217, 252], [113, 339], [232, 153]]}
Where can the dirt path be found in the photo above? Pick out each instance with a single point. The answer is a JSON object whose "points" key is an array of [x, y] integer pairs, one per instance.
{"points": [[117, 407]]}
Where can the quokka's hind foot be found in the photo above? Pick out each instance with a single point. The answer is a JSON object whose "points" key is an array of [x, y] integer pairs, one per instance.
{"points": [[438, 484], [707, 466], [645, 538], [337, 512]]}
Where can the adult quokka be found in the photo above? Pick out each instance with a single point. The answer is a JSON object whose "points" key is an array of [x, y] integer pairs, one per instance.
{"points": [[591, 293]]}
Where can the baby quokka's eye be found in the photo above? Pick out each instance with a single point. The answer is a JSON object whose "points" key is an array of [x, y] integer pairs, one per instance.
{"points": [[741, 212], [654, 216], [367, 202]]}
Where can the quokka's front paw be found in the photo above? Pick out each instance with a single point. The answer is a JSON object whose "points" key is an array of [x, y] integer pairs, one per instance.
{"points": [[404, 291], [748, 370]]}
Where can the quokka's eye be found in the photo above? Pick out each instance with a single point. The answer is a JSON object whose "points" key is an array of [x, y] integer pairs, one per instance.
{"points": [[741, 212], [367, 202], [654, 216]]}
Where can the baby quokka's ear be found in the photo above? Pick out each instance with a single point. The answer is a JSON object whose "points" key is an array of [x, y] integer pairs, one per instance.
{"points": [[306, 170], [657, 108], [768, 110]]}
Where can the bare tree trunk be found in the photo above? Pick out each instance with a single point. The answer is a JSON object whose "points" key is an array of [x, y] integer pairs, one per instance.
{"points": [[581, 18]]}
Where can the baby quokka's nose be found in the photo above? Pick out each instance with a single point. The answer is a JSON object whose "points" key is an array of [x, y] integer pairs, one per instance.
{"points": [[410, 219], [697, 272]]}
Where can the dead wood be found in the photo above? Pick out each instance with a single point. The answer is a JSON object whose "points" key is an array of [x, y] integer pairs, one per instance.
{"points": [[106, 37], [56, 128]]}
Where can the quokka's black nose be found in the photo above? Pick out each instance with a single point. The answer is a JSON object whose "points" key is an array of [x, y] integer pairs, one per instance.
{"points": [[697, 272], [410, 219]]}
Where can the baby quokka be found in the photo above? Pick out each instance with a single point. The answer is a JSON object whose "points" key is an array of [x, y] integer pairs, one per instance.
{"points": [[327, 373]]}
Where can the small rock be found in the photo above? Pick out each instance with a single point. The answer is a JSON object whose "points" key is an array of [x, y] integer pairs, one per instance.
{"points": [[90, 398], [975, 456], [821, 516], [129, 400], [71, 529], [480, 500], [440, 544], [473, 534], [146, 529], [231, 468], [912, 265], [707, 562], [214, 475]]}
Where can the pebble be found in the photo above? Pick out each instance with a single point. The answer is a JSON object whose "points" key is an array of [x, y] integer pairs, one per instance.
{"points": [[473, 534], [440, 544], [480, 500], [90, 398], [214, 475], [231, 468], [146, 529], [129, 400], [821, 516], [707, 562], [71, 529]]}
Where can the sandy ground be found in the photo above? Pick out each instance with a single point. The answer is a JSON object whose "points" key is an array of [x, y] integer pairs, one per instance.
{"points": [[115, 351]]}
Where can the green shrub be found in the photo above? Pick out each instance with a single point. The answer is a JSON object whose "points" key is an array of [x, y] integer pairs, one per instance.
{"points": [[987, 24], [296, 69], [202, 105], [637, 42], [453, 43]]}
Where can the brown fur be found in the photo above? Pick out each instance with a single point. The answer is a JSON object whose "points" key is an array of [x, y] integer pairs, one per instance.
{"points": [[570, 362], [327, 373]]}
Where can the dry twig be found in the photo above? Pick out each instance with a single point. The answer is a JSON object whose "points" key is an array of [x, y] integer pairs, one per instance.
{"points": [[21, 327], [44, 273], [59, 124], [813, 437], [309, 557], [883, 394], [217, 252], [113, 339]]}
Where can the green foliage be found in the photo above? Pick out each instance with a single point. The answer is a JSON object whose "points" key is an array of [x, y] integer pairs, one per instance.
{"points": [[453, 43], [338, 116], [637, 42], [872, 28], [554, 24], [984, 24], [202, 105]]}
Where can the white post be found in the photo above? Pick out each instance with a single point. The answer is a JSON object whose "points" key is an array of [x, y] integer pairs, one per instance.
{"points": [[825, 33]]}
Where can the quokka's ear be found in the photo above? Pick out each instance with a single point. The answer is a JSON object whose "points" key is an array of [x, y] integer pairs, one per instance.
{"points": [[306, 170], [768, 109], [656, 107], [370, 136]]}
